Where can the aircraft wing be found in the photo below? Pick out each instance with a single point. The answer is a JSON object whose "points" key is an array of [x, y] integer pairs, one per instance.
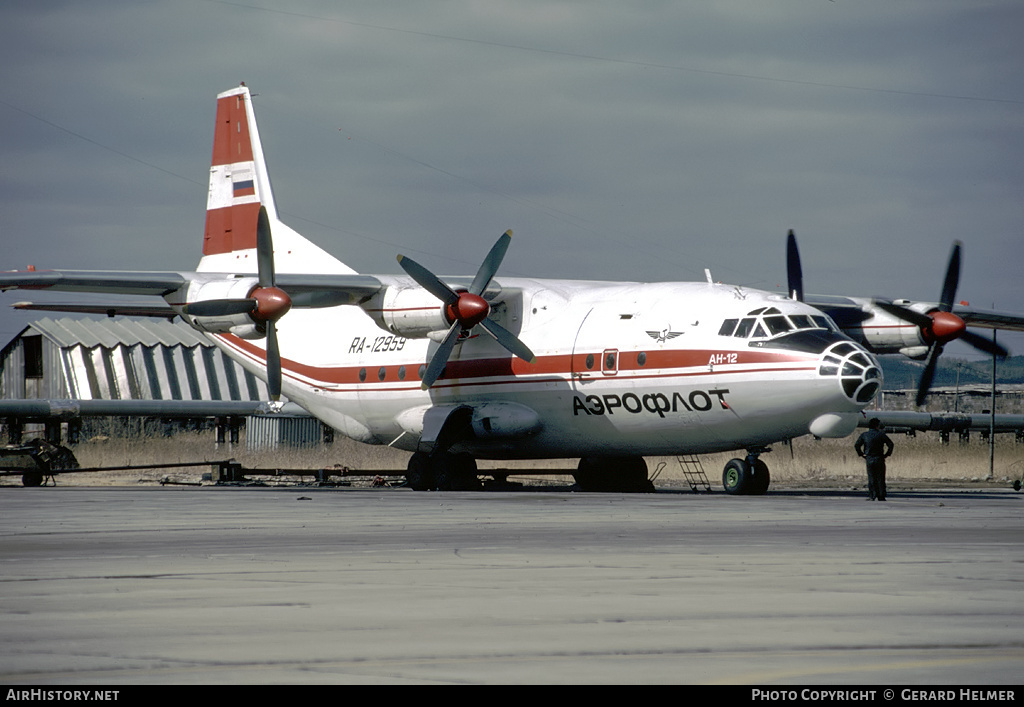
{"points": [[111, 309], [305, 290], [849, 312], [328, 290], [989, 319], [844, 311], [109, 282]]}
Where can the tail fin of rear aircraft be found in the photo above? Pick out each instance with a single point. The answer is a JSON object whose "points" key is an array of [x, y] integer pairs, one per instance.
{"points": [[239, 185]]}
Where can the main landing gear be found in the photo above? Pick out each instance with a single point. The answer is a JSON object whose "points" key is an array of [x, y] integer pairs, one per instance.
{"points": [[446, 471], [747, 476], [617, 474], [443, 472]]}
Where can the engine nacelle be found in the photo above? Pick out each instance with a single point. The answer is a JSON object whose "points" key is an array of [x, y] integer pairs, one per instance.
{"points": [[229, 325], [915, 352], [411, 312], [241, 325], [885, 333]]}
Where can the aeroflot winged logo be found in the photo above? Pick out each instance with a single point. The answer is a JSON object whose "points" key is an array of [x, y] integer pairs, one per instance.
{"points": [[664, 334]]}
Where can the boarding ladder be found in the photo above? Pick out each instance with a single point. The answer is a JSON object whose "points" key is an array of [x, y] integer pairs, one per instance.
{"points": [[693, 472]]}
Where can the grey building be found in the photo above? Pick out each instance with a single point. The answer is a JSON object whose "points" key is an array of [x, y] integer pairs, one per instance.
{"points": [[142, 359], [120, 359]]}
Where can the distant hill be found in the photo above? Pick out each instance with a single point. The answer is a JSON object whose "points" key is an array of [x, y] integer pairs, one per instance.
{"points": [[902, 373]]}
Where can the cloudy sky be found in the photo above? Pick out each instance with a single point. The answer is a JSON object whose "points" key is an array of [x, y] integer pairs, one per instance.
{"points": [[626, 141]]}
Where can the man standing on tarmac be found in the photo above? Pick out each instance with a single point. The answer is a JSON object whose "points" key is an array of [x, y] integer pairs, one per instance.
{"points": [[874, 445]]}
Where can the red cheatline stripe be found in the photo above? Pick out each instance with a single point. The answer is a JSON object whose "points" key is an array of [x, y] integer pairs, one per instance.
{"points": [[557, 368]]}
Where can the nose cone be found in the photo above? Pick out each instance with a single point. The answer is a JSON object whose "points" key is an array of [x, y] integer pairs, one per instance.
{"points": [[856, 371]]}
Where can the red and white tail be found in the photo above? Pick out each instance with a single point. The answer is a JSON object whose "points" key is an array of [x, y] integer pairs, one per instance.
{"points": [[239, 185]]}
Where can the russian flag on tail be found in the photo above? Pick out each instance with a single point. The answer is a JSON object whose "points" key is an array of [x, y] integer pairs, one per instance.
{"points": [[244, 188]]}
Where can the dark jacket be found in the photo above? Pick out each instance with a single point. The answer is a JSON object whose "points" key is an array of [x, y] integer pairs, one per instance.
{"points": [[874, 444]]}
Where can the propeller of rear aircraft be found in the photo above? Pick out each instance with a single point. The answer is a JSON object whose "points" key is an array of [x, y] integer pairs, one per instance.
{"points": [[942, 326], [794, 273], [465, 310], [265, 304], [938, 328]]}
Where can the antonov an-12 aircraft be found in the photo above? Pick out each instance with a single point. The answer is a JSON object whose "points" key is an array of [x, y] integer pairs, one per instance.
{"points": [[456, 369]]}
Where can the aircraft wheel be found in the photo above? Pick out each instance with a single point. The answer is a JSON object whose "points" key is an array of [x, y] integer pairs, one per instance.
{"points": [[419, 474], [761, 478], [32, 478], [633, 473], [736, 477], [615, 474], [589, 476], [457, 472]]}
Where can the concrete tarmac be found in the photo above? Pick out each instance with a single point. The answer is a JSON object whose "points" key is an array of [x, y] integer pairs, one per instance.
{"points": [[176, 585]]}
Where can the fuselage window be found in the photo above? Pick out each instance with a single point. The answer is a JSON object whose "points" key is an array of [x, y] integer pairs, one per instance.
{"points": [[728, 327], [610, 362]]}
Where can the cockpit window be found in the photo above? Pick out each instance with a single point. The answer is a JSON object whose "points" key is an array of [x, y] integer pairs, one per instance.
{"points": [[777, 324], [770, 322], [824, 322], [745, 327]]}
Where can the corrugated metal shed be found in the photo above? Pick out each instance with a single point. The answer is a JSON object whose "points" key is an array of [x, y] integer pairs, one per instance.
{"points": [[121, 359]]}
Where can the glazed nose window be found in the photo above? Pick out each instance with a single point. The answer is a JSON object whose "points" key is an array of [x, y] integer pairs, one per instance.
{"points": [[858, 372]]}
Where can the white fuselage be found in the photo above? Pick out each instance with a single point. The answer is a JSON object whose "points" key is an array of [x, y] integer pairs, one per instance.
{"points": [[621, 369]]}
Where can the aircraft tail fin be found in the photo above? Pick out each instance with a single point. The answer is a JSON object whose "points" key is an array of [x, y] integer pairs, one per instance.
{"points": [[239, 185]]}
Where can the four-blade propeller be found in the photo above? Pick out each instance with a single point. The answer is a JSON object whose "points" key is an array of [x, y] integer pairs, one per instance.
{"points": [[265, 304], [465, 310], [940, 327]]}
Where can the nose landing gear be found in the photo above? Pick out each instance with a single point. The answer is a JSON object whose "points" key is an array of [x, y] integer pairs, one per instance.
{"points": [[748, 476]]}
